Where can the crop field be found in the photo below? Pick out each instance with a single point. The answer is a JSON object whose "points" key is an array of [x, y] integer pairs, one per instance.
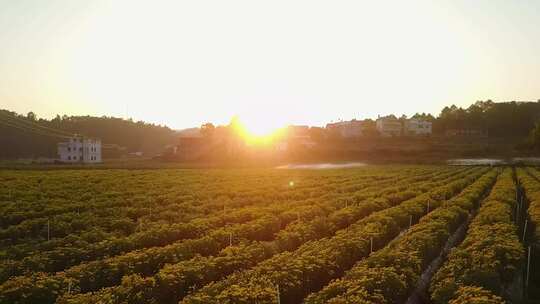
{"points": [[376, 234]]}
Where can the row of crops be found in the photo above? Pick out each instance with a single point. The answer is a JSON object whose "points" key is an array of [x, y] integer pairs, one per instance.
{"points": [[389, 234]]}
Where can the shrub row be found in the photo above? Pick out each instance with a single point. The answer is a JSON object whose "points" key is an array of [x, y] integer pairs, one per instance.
{"points": [[175, 281], [182, 212], [314, 264], [67, 256], [389, 275], [491, 253]]}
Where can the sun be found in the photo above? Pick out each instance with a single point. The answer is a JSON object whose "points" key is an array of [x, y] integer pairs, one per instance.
{"points": [[261, 129], [256, 130], [258, 126]]}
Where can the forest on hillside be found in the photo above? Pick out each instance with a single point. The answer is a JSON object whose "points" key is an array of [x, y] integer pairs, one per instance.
{"points": [[497, 119], [27, 136], [517, 120]]}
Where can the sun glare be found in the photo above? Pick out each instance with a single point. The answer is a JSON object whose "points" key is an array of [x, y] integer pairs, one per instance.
{"points": [[257, 130], [256, 133], [261, 130]]}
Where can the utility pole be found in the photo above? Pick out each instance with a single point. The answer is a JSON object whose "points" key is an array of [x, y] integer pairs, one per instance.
{"points": [[518, 212], [83, 148], [523, 207], [525, 230], [230, 239], [277, 295], [528, 269], [487, 137]]}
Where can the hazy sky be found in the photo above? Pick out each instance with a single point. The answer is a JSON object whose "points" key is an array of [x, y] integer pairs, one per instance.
{"points": [[182, 63]]}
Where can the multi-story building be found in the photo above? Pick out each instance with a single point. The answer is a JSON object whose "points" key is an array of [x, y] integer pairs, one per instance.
{"points": [[389, 126], [416, 126], [348, 129], [80, 149]]}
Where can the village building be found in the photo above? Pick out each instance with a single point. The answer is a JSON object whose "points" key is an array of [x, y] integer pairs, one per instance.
{"points": [[418, 127], [195, 144], [348, 129], [191, 145], [389, 126], [80, 149]]}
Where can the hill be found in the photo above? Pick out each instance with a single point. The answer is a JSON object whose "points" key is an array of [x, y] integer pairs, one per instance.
{"points": [[29, 136]]}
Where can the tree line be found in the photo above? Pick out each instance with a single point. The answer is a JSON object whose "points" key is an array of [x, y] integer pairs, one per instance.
{"points": [[504, 119], [497, 119], [27, 136]]}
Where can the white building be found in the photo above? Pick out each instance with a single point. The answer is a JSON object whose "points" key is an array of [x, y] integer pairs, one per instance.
{"points": [[80, 150], [389, 126], [416, 126], [348, 129]]}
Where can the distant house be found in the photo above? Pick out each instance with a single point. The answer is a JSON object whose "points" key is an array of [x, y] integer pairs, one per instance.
{"points": [[195, 144], [348, 129], [191, 145], [80, 149], [389, 126], [416, 126]]}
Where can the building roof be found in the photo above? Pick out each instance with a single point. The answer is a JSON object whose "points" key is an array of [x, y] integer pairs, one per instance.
{"points": [[387, 118], [345, 123]]}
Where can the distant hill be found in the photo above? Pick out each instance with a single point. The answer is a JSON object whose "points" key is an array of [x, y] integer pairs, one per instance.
{"points": [[189, 132], [28, 136]]}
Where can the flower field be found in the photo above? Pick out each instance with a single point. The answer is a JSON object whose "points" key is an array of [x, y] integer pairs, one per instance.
{"points": [[375, 234]]}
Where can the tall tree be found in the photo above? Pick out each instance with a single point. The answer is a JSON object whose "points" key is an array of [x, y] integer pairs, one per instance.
{"points": [[208, 130], [535, 137]]}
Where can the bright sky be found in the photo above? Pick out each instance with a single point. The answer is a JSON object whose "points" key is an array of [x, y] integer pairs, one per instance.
{"points": [[182, 63]]}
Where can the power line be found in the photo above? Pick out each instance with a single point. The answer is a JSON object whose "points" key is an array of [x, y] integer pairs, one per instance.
{"points": [[32, 130], [35, 127], [34, 124], [36, 131]]}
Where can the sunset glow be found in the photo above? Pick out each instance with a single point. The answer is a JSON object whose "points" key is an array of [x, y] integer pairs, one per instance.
{"points": [[257, 132], [284, 151], [261, 126], [184, 63]]}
